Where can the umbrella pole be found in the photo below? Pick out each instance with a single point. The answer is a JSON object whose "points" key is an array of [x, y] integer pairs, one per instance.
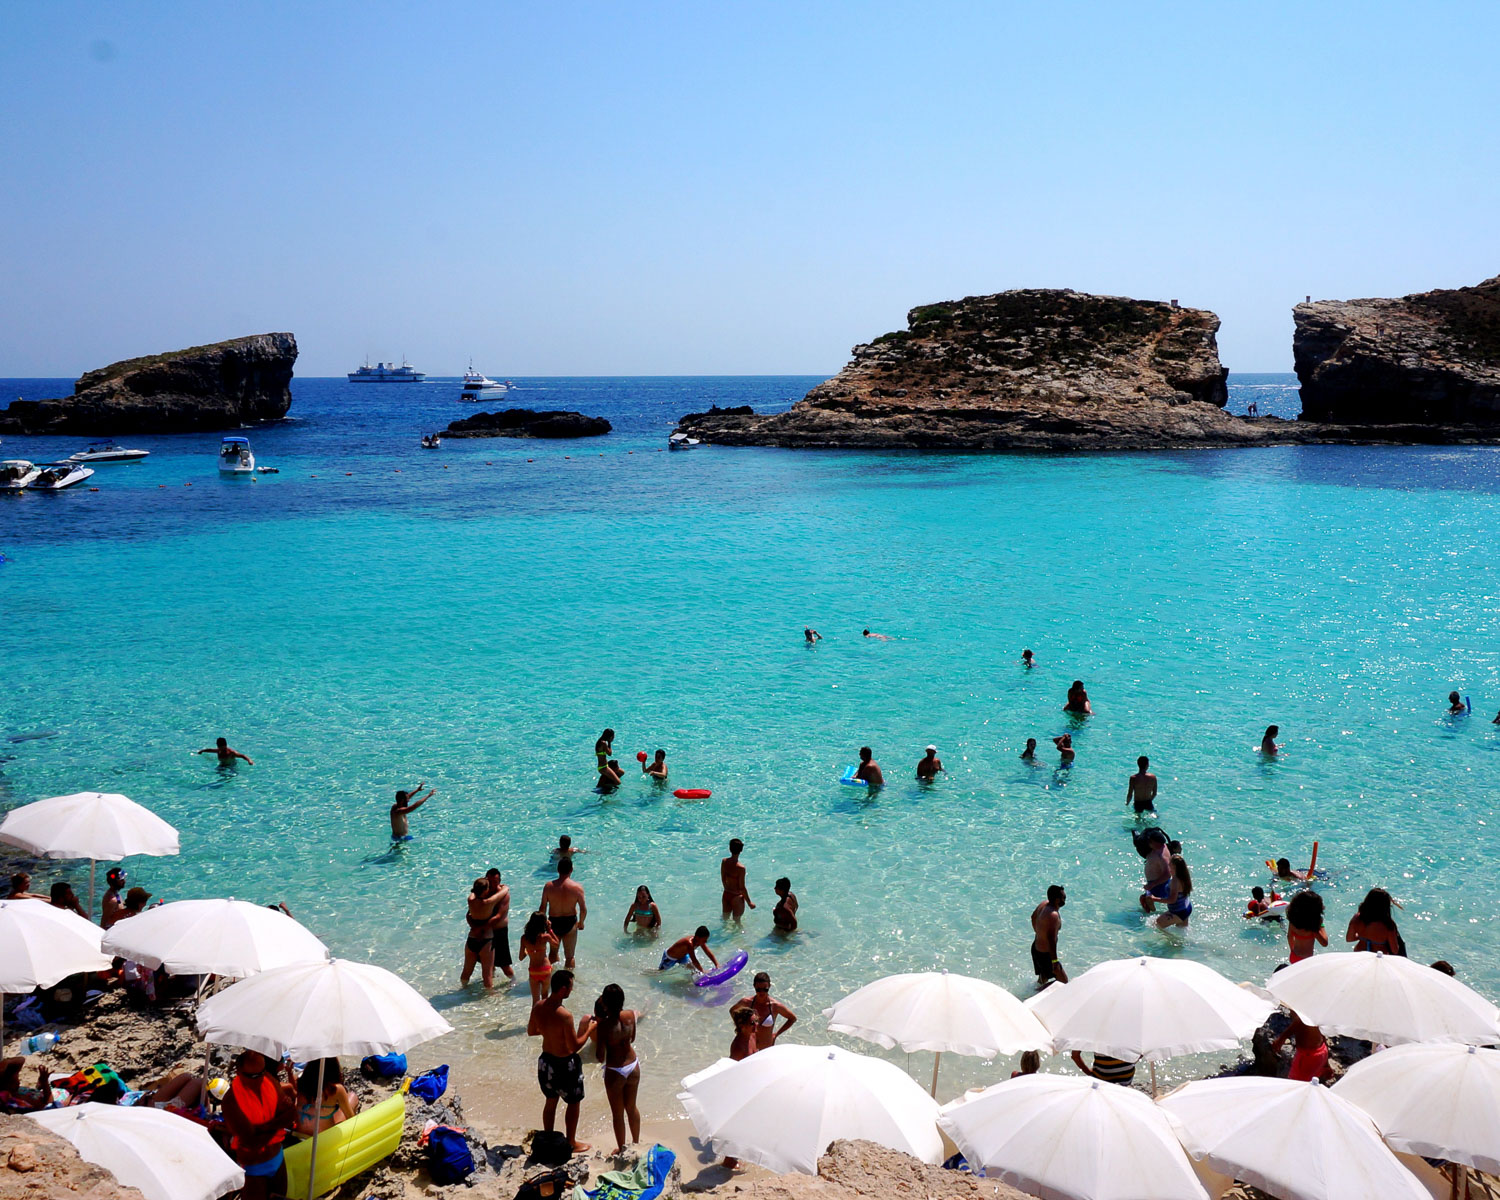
{"points": [[312, 1158], [936, 1059], [1153, 1080], [91, 889]]}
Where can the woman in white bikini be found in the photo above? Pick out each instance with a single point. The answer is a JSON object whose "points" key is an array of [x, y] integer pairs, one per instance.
{"points": [[766, 1010], [614, 1043]]}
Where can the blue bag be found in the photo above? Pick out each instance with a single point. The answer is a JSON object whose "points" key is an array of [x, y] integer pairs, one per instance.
{"points": [[383, 1066], [429, 1085], [448, 1156]]}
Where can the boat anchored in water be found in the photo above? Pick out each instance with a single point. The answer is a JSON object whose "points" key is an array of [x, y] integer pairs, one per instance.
{"points": [[60, 475], [681, 441], [107, 452], [477, 387], [387, 373], [235, 457], [16, 474], [432, 441]]}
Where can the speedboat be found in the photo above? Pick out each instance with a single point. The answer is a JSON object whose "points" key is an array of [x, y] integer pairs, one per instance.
{"points": [[60, 475], [387, 373], [16, 474], [235, 457], [107, 452], [681, 441], [477, 387], [431, 441]]}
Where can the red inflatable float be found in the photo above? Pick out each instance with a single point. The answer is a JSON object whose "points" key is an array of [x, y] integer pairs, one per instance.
{"points": [[692, 793]]}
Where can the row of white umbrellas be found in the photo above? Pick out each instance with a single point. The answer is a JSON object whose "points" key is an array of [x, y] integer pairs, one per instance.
{"points": [[1066, 1136]]}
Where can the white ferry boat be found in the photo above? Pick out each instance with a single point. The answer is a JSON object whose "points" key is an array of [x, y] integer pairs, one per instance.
{"points": [[235, 457], [477, 387], [387, 373]]}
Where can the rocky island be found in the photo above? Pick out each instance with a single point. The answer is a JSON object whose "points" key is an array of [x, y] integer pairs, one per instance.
{"points": [[527, 423], [230, 384], [1431, 360]]}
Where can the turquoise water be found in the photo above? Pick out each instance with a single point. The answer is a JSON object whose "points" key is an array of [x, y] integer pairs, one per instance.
{"points": [[476, 619]]}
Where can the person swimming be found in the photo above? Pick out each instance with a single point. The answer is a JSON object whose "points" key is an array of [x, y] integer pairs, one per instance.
{"points": [[1268, 743], [226, 755], [880, 636], [1259, 905], [1456, 704], [1028, 658], [1284, 871]]}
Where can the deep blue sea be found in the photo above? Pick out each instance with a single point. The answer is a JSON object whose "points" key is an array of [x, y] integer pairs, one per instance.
{"points": [[377, 614]]}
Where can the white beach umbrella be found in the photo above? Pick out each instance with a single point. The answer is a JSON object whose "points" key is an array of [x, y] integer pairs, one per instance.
{"points": [[1064, 1137], [1149, 1008], [162, 1154], [41, 945], [1438, 1100], [98, 826], [940, 1012], [231, 938], [782, 1106], [1385, 998], [321, 1010], [1295, 1140]]}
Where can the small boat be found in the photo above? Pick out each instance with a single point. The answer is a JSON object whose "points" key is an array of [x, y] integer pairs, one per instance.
{"points": [[431, 441], [477, 387], [681, 441], [57, 476], [107, 452], [235, 457], [16, 474], [387, 373]]}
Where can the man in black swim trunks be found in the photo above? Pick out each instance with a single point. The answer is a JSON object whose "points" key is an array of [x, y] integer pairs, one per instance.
{"points": [[564, 904], [1046, 924], [1141, 790], [500, 923], [559, 1070]]}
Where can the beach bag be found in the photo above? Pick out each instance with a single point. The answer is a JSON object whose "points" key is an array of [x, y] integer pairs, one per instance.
{"points": [[429, 1085], [383, 1066], [549, 1185], [448, 1156], [550, 1147]]}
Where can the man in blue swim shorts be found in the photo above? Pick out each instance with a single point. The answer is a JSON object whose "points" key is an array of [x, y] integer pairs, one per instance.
{"points": [[1152, 846], [685, 950]]}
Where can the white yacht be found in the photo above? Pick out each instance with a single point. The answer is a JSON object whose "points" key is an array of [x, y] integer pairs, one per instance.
{"points": [[387, 373], [17, 474], [235, 457], [477, 387], [681, 441], [107, 452], [60, 475]]}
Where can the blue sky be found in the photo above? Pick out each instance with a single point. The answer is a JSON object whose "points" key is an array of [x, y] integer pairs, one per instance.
{"points": [[673, 188]]}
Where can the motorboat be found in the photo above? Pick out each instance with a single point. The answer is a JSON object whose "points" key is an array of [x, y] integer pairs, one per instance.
{"points": [[235, 457], [107, 452], [681, 441], [387, 373], [16, 474], [56, 476], [431, 441], [477, 387]]}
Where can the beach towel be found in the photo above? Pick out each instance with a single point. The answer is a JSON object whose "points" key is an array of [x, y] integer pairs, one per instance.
{"points": [[644, 1181]]}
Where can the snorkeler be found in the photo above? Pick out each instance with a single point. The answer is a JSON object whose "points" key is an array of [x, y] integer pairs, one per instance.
{"points": [[226, 755], [1141, 790], [406, 802], [882, 637]]}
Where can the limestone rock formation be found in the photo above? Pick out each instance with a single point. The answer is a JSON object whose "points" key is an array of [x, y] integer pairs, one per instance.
{"points": [[1036, 369], [1429, 359], [224, 386], [38, 1165], [855, 1170], [524, 422]]}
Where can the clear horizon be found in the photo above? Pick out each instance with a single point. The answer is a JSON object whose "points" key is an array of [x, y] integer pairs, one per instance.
{"points": [[602, 191]]}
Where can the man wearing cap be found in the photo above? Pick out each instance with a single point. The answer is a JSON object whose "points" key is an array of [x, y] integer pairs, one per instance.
{"points": [[135, 900], [112, 907], [929, 766]]}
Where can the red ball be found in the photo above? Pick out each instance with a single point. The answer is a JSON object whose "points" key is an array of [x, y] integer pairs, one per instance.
{"points": [[640, 756]]}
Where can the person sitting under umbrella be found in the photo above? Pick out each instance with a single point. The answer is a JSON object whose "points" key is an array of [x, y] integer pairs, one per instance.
{"points": [[17, 1099], [315, 1113], [1110, 1070], [259, 1109]]}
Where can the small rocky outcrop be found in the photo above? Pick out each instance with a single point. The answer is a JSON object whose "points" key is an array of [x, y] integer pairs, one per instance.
{"points": [[224, 386], [1430, 359], [1036, 369], [527, 423], [37, 1165], [853, 1170]]}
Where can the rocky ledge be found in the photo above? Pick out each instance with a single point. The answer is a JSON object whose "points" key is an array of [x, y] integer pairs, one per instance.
{"points": [[1035, 369], [224, 386], [1430, 359], [526, 423]]}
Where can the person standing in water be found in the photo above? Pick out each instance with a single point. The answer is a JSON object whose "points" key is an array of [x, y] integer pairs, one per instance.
{"points": [[1141, 790], [614, 1045], [559, 1070], [784, 915], [732, 877], [1456, 704], [1066, 753], [1268, 743], [226, 755], [1373, 927], [1180, 888], [1046, 925], [869, 769], [1027, 658], [406, 804], [1152, 846], [929, 765], [479, 946], [566, 909], [657, 767], [812, 636], [500, 922], [766, 1008], [1304, 925], [1078, 700], [1029, 754]]}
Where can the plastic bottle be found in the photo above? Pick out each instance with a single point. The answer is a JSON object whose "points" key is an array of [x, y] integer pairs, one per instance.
{"points": [[40, 1043]]}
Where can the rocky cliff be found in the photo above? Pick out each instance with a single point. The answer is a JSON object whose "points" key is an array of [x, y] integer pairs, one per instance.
{"points": [[526, 422], [1429, 359], [1035, 369], [223, 386]]}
